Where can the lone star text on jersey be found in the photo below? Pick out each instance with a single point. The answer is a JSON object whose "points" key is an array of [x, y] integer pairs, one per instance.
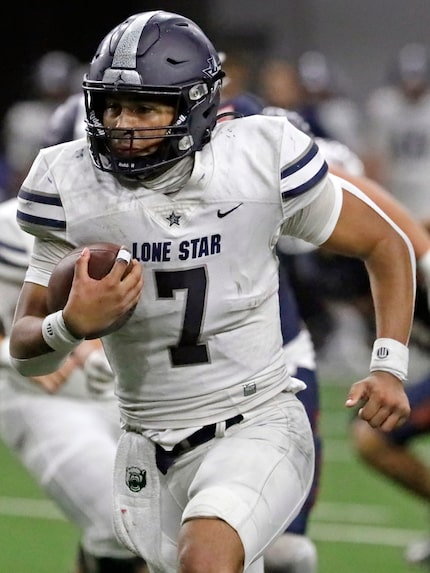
{"points": [[165, 251]]}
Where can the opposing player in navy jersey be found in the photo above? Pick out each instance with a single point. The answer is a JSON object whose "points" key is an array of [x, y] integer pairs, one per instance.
{"points": [[217, 456]]}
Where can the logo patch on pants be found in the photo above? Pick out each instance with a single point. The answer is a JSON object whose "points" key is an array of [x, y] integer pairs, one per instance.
{"points": [[135, 478]]}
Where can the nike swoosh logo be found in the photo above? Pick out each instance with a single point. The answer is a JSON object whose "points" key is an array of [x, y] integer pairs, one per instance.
{"points": [[225, 213]]}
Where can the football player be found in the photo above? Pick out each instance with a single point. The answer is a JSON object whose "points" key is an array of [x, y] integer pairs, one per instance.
{"points": [[297, 553], [217, 455]]}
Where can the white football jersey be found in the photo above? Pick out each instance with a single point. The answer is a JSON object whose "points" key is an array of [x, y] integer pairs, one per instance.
{"points": [[15, 249], [204, 342]]}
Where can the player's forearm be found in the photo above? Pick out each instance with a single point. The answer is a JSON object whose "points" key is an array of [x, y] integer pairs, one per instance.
{"points": [[391, 269], [30, 354], [26, 339], [363, 230]]}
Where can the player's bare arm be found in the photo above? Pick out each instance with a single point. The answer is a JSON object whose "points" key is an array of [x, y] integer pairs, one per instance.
{"points": [[416, 230], [92, 303], [390, 264], [26, 338], [362, 232]]}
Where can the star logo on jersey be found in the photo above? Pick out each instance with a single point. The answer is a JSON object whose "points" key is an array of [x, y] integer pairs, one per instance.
{"points": [[173, 219], [135, 479]]}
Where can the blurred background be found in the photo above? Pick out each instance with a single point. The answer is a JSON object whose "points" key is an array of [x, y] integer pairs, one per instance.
{"points": [[357, 43], [361, 38]]}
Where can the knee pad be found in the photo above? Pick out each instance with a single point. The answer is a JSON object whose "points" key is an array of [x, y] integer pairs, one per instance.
{"points": [[291, 553]]}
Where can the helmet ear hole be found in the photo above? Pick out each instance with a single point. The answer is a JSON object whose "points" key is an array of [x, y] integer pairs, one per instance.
{"points": [[164, 57]]}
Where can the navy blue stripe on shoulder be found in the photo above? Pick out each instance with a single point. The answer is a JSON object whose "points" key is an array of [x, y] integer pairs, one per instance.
{"points": [[304, 160], [39, 197], [40, 221], [308, 185]]}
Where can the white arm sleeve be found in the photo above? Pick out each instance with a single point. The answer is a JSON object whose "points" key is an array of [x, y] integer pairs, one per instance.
{"points": [[315, 222]]}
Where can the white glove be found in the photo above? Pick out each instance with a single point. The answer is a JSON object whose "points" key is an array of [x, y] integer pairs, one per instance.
{"points": [[100, 379]]}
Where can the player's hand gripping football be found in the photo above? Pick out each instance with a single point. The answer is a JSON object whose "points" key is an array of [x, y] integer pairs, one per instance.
{"points": [[94, 305], [382, 400]]}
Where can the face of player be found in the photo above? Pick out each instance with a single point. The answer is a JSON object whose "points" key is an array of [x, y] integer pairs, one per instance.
{"points": [[137, 124]]}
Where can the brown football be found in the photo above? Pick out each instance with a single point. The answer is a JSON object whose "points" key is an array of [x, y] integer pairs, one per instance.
{"points": [[103, 256]]}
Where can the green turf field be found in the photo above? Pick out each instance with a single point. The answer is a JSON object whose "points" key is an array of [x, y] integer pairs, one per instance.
{"points": [[362, 522], [360, 525]]}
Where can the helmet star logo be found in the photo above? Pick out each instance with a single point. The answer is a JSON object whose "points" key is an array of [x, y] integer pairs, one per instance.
{"points": [[173, 219], [119, 79], [213, 67]]}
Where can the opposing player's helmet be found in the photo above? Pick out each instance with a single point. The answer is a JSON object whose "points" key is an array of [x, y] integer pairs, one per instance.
{"points": [[164, 57]]}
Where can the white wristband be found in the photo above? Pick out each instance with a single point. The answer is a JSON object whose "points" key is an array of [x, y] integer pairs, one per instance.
{"points": [[390, 356], [56, 334]]}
